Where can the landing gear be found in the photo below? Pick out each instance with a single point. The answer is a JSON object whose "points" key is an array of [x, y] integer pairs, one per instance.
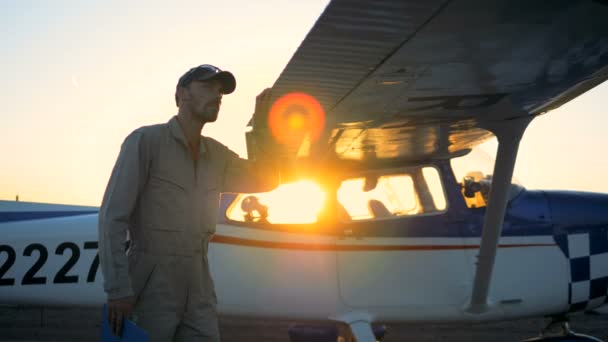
{"points": [[558, 330]]}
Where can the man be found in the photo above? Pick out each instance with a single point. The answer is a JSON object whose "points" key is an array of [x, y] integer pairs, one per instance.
{"points": [[163, 196]]}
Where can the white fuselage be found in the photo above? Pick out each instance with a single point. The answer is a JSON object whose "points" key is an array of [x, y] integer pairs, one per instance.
{"points": [[303, 275]]}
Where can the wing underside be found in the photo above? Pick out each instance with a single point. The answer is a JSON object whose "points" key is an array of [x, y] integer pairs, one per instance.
{"points": [[408, 80]]}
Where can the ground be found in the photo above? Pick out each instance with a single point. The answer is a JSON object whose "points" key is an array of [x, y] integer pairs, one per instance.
{"points": [[69, 324]]}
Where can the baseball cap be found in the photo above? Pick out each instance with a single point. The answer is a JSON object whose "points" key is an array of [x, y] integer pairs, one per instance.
{"points": [[207, 72]]}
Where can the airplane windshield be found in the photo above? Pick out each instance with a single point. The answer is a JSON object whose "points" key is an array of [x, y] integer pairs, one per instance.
{"points": [[474, 172]]}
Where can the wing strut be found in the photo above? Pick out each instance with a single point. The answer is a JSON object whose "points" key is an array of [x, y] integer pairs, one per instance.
{"points": [[509, 133]]}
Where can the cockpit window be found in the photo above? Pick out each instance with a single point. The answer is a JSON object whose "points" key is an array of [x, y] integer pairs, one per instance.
{"points": [[378, 196], [371, 195], [298, 202], [390, 195]]}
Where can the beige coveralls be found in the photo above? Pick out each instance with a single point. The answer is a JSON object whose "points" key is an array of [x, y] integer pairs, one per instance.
{"points": [[168, 204]]}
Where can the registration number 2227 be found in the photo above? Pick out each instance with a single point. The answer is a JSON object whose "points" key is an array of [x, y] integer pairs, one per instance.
{"points": [[40, 253]]}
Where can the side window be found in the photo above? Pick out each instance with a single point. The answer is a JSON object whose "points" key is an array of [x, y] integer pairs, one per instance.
{"points": [[298, 202], [384, 196], [374, 195], [378, 196]]}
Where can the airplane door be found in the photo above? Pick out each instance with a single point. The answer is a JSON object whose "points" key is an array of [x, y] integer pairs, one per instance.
{"points": [[402, 271], [391, 257]]}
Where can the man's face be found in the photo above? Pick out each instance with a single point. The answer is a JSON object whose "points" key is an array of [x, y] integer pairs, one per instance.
{"points": [[204, 99]]}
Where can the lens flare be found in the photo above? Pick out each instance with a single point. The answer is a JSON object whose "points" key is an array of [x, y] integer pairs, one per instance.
{"points": [[298, 202], [295, 115]]}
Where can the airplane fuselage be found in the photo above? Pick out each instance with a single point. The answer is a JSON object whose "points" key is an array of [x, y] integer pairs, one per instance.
{"points": [[552, 258]]}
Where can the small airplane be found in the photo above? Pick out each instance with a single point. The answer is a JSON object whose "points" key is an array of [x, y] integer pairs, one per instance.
{"points": [[382, 219]]}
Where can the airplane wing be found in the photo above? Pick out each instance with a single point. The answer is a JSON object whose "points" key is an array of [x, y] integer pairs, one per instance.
{"points": [[409, 80]]}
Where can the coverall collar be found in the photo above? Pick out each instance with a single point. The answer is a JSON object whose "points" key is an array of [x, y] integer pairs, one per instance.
{"points": [[178, 134]]}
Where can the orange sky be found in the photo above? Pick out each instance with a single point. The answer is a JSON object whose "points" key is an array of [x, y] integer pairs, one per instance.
{"points": [[78, 77]]}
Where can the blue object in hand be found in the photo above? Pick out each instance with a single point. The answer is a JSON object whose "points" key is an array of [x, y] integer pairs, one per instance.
{"points": [[130, 331]]}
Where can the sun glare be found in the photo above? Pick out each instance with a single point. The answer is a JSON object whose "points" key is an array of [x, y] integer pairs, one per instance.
{"points": [[297, 121], [298, 202], [349, 195], [294, 116]]}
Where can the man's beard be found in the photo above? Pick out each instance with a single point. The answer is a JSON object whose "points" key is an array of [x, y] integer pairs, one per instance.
{"points": [[209, 112]]}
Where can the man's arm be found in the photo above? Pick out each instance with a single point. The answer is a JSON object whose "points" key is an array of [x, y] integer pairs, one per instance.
{"points": [[126, 183], [247, 176]]}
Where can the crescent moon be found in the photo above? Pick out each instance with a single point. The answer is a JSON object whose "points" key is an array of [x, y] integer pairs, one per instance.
{"points": [[75, 82]]}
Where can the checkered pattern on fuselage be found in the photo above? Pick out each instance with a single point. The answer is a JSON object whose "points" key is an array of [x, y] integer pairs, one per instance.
{"points": [[588, 256]]}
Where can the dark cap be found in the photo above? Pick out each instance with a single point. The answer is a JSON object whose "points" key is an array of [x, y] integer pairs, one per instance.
{"points": [[207, 72]]}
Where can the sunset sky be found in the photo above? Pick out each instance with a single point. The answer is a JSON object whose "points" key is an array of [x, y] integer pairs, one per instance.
{"points": [[78, 76]]}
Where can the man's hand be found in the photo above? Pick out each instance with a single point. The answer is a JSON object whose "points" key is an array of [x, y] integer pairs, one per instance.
{"points": [[118, 310], [263, 142], [262, 108]]}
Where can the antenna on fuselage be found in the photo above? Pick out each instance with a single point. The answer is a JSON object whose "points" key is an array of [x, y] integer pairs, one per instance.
{"points": [[17, 198]]}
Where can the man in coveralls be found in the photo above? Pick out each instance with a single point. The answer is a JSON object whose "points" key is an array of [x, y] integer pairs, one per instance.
{"points": [[163, 195]]}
